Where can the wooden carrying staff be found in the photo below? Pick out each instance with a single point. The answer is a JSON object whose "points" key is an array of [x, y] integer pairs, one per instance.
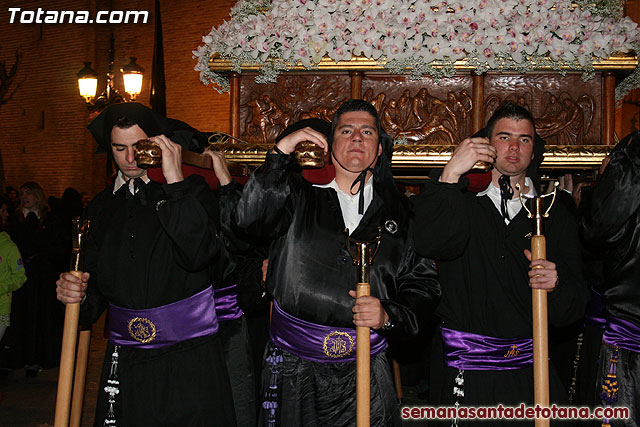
{"points": [[539, 307], [79, 230], [363, 258]]}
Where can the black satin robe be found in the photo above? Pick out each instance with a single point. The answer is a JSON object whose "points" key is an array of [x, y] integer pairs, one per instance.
{"points": [[484, 276], [611, 228], [148, 254], [311, 272], [234, 333]]}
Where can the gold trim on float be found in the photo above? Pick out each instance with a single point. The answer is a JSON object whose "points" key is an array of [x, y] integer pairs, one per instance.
{"points": [[425, 156], [614, 62]]}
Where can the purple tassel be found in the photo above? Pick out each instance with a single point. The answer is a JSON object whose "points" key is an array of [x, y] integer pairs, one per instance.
{"points": [[610, 387]]}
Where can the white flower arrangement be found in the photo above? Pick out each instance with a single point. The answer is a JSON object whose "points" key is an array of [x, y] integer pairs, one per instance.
{"points": [[419, 36]]}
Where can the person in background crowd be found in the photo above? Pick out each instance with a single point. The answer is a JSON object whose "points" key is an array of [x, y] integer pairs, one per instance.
{"points": [[35, 334], [13, 198], [12, 275]]}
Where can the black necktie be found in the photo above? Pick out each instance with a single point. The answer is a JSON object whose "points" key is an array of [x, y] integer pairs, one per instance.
{"points": [[138, 191], [362, 178], [506, 193]]}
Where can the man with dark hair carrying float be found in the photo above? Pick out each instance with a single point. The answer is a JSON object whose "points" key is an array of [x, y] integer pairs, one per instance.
{"points": [[147, 258], [309, 377], [482, 242]]}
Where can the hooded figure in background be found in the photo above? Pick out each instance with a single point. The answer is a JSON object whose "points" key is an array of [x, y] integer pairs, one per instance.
{"points": [[147, 259], [309, 377]]}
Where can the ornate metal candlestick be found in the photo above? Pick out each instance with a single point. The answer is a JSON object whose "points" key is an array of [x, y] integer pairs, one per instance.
{"points": [[363, 258], [539, 305]]}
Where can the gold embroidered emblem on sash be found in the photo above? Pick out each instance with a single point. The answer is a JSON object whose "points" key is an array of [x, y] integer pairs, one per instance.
{"points": [[337, 344], [513, 351], [142, 329]]}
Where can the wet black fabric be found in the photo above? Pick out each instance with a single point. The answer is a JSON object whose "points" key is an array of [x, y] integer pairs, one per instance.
{"points": [[237, 355], [233, 333], [183, 385], [310, 268], [611, 228], [147, 256], [588, 375], [323, 394], [311, 272], [151, 122]]}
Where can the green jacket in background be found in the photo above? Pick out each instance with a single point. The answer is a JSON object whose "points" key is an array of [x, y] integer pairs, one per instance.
{"points": [[12, 274]]}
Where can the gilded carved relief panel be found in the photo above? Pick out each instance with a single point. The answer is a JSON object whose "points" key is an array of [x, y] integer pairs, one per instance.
{"points": [[422, 111], [267, 109], [567, 110]]}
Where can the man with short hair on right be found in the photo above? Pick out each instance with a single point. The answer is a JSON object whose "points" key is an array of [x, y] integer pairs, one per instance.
{"points": [[482, 242]]}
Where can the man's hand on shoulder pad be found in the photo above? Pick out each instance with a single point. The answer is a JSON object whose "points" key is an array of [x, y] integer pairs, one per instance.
{"points": [[466, 154], [171, 159], [289, 142]]}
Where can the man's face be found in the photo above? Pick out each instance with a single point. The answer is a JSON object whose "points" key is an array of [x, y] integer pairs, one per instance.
{"points": [[123, 142], [4, 214], [513, 141], [355, 141], [27, 199]]}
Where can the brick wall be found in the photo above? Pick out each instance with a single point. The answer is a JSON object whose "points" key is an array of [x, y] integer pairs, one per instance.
{"points": [[42, 128]]}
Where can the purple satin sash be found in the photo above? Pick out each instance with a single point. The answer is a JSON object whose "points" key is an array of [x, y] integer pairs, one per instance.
{"points": [[166, 325], [622, 333], [317, 343], [475, 352], [227, 303]]}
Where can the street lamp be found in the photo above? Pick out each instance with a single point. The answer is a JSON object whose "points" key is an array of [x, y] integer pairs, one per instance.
{"points": [[88, 83], [132, 75]]}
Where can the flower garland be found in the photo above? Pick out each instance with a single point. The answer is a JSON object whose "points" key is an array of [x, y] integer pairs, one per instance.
{"points": [[421, 37]]}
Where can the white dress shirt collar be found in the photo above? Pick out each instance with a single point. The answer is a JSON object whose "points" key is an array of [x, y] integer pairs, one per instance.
{"points": [[349, 203]]}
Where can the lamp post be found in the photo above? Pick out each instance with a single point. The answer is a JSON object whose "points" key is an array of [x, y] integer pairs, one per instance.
{"points": [[88, 83], [132, 74]]}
